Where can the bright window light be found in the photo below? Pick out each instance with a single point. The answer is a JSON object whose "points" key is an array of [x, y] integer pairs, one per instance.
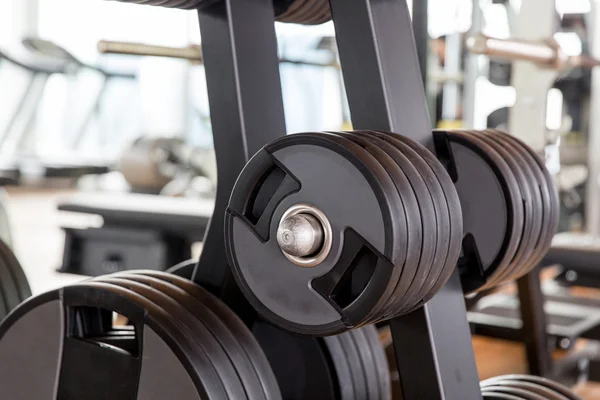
{"points": [[569, 42], [573, 6]]}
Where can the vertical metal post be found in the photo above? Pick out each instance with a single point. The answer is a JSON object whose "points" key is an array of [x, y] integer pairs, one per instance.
{"points": [[533, 331], [420, 20], [381, 67], [528, 116], [473, 71], [385, 91], [592, 201], [246, 107], [452, 68]]}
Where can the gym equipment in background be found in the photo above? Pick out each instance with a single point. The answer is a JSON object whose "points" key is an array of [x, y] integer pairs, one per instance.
{"points": [[156, 232], [43, 59], [169, 166]]}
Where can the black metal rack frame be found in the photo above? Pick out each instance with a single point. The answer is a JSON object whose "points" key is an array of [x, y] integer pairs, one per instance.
{"points": [[385, 91]]}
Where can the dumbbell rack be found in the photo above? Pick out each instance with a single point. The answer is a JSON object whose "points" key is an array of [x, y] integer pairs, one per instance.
{"points": [[385, 91]]}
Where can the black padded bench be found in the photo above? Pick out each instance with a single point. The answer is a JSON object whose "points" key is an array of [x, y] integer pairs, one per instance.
{"points": [[568, 318], [579, 255], [139, 232]]}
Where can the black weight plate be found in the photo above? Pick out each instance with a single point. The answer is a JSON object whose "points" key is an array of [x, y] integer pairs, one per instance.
{"points": [[341, 366], [438, 220], [550, 384], [160, 321], [184, 269], [447, 205], [290, 14], [200, 369], [8, 285], [410, 278], [3, 307], [359, 378], [367, 352], [540, 189], [534, 388], [493, 203], [521, 393], [531, 206], [369, 234], [185, 320], [302, 364], [499, 396], [405, 208], [382, 368], [230, 345], [421, 199], [8, 257], [234, 324], [367, 363], [549, 186], [515, 174]]}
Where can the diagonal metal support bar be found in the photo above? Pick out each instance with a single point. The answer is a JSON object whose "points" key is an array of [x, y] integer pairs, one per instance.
{"points": [[381, 67], [239, 47], [385, 91]]}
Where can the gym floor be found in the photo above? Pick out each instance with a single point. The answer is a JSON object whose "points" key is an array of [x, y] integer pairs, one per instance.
{"points": [[38, 242]]}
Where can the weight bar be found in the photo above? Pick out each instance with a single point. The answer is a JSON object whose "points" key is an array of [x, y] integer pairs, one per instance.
{"points": [[547, 54], [191, 53]]}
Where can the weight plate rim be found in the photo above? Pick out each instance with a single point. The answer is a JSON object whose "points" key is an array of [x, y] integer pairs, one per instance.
{"points": [[541, 190], [420, 190], [409, 207], [235, 325], [9, 291], [552, 385], [16, 270], [224, 337], [425, 169], [525, 249], [535, 387], [522, 393], [515, 219], [554, 205], [176, 339], [366, 360], [449, 206], [184, 320], [355, 364], [342, 368]]}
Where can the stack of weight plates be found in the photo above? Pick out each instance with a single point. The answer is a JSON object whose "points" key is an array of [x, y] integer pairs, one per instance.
{"points": [[307, 12], [509, 202], [14, 287], [390, 229], [525, 387], [349, 366], [178, 341]]}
